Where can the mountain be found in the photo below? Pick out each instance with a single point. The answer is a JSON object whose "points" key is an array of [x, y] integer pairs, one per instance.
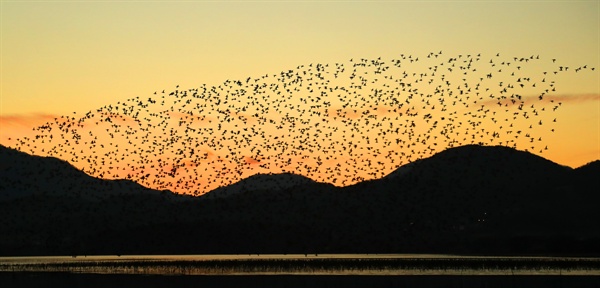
{"points": [[271, 182], [465, 200], [47, 205], [480, 195], [588, 171], [24, 175]]}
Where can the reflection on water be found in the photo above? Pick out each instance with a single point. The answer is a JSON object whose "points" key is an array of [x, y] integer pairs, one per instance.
{"points": [[328, 264]]}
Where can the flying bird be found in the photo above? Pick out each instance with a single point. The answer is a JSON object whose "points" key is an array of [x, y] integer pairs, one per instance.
{"points": [[339, 123]]}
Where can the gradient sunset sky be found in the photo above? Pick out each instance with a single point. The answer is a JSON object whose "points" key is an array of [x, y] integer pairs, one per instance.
{"points": [[70, 57]]}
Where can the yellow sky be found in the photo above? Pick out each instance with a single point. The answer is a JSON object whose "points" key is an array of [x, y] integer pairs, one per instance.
{"points": [[64, 57]]}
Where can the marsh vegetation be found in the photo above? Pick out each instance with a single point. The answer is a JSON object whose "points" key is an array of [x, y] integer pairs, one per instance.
{"points": [[306, 265]]}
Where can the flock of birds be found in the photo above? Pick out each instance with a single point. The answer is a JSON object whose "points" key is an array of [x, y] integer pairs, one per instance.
{"points": [[339, 123]]}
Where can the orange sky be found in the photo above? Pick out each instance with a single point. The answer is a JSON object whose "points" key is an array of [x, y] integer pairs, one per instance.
{"points": [[64, 59]]}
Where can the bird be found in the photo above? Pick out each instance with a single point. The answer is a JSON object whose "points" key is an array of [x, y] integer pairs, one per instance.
{"points": [[341, 122]]}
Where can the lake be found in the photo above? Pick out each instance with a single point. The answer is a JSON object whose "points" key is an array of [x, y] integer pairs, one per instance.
{"points": [[348, 270]]}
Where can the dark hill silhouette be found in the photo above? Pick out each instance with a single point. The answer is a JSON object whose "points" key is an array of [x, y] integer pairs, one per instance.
{"points": [[467, 200], [24, 175], [481, 192], [589, 172], [257, 182]]}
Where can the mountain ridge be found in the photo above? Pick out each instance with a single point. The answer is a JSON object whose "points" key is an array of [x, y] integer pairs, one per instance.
{"points": [[260, 181], [465, 200], [56, 176]]}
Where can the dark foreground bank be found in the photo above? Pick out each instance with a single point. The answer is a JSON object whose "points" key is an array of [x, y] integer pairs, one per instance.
{"points": [[59, 279]]}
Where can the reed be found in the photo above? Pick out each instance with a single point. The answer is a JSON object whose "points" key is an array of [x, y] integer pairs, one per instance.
{"points": [[333, 266]]}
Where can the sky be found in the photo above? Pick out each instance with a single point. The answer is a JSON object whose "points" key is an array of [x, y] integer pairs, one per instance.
{"points": [[68, 58]]}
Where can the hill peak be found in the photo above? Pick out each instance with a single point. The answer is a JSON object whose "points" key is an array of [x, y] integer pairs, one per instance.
{"points": [[479, 157], [24, 175], [261, 181]]}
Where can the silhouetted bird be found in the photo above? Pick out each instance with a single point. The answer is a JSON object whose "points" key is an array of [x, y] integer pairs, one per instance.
{"points": [[341, 123]]}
